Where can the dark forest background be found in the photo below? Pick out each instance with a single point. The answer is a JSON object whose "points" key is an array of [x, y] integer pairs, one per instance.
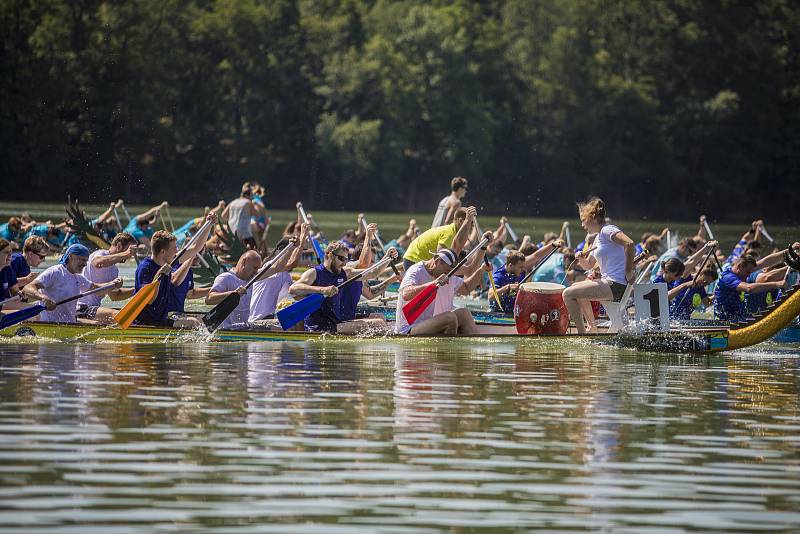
{"points": [[664, 108]]}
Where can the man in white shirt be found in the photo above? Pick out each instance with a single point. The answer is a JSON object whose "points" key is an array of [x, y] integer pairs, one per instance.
{"points": [[439, 317], [234, 281], [267, 292], [102, 269], [60, 282]]}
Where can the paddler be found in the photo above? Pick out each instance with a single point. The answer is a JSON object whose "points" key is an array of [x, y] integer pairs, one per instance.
{"points": [[508, 277], [613, 255], [446, 210], [267, 292], [234, 281], [140, 226], [168, 304], [440, 317], [62, 281], [34, 252], [453, 236], [324, 279], [8, 280], [101, 269], [238, 213], [730, 293]]}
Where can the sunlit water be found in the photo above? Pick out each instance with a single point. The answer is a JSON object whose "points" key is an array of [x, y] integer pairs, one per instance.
{"points": [[383, 437]]}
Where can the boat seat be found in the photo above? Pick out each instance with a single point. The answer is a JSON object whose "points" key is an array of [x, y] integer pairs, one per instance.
{"points": [[618, 311]]}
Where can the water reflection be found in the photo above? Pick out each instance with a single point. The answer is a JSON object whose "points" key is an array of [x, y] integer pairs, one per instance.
{"points": [[375, 436]]}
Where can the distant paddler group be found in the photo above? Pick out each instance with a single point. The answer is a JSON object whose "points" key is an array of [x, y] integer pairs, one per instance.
{"points": [[454, 258]]}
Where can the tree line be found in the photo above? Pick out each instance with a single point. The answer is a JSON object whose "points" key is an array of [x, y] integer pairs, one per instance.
{"points": [[665, 108]]}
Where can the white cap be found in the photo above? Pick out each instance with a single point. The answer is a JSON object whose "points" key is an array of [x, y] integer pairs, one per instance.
{"points": [[447, 256]]}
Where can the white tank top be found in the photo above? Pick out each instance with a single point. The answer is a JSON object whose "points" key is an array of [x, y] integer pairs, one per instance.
{"points": [[441, 212], [238, 220]]}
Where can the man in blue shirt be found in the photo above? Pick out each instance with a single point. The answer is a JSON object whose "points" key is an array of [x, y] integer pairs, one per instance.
{"points": [[34, 251], [177, 283], [687, 294], [508, 277], [732, 288]]}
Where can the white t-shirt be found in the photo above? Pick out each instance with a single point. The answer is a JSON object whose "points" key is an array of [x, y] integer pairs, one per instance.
{"points": [[267, 293], [58, 284], [610, 256], [228, 281], [416, 275], [98, 275]]}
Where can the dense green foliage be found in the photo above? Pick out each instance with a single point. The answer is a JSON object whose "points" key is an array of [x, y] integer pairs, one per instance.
{"points": [[664, 108]]}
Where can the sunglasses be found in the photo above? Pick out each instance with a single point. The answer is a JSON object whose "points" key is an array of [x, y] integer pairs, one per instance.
{"points": [[340, 258], [41, 256]]}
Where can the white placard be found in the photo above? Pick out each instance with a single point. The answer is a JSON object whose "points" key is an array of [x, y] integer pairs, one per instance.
{"points": [[652, 305]]}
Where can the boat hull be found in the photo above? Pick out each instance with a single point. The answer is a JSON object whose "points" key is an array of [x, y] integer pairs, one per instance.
{"points": [[684, 341]]}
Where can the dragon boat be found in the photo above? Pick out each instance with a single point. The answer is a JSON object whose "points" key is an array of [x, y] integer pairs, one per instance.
{"points": [[684, 339]]}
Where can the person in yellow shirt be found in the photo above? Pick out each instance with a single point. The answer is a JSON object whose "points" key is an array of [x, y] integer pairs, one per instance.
{"points": [[453, 236]]}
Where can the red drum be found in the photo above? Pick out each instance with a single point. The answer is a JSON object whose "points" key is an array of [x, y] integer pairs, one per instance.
{"points": [[540, 309]]}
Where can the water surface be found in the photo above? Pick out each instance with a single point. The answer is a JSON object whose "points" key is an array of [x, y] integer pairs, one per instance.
{"points": [[375, 436]]}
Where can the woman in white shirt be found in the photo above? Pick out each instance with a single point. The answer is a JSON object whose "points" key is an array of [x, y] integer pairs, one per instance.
{"points": [[613, 254]]}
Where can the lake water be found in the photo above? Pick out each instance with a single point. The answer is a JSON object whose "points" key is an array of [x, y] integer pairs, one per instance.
{"points": [[372, 436]]}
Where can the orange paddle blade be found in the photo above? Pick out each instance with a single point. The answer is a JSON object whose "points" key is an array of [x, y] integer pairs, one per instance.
{"points": [[414, 308], [125, 316]]}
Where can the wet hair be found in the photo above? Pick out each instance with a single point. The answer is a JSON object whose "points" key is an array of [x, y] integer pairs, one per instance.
{"points": [[459, 182], [35, 244], [673, 266], [160, 241], [689, 243], [460, 214], [746, 260], [247, 189], [124, 240], [4, 243], [709, 271], [593, 209], [336, 246], [15, 221], [528, 249], [652, 243], [515, 257]]}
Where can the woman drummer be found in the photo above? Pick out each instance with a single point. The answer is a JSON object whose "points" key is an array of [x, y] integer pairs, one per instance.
{"points": [[613, 254]]}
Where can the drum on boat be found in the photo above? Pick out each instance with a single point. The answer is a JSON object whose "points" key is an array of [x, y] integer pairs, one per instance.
{"points": [[540, 309]]}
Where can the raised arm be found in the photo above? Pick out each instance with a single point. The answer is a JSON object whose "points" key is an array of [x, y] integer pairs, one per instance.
{"points": [[773, 259], [463, 233], [533, 259], [106, 214], [151, 212], [694, 259]]}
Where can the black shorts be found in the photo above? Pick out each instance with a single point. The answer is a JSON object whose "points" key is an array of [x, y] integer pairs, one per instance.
{"points": [[617, 290]]}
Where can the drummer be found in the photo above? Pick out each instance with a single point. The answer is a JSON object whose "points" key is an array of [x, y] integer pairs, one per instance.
{"points": [[508, 277], [613, 255]]}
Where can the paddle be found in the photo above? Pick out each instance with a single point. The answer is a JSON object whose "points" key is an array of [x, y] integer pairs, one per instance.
{"points": [[766, 234], [314, 242], [544, 260], [266, 229], [511, 233], [128, 313], [32, 311], [379, 242], [291, 315], [11, 299], [217, 315], [169, 218], [127, 214], [491, 281], [696, 276], [567, 235], [116, 218], [416, 306], [709, 233]]}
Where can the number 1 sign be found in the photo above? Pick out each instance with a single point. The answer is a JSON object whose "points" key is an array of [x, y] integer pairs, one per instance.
{"points": [[652, 305]]}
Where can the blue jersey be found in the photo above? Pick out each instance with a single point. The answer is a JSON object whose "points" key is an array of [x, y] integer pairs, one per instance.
{"points": [[738, 250], [687, 300], [501, 279], [729, 304], [329, 314], [669, 254], [351, 294], [176, 297], [552, 270], [137, 232], [7, 280], [8, 234], [757, 302], [19, 265]]}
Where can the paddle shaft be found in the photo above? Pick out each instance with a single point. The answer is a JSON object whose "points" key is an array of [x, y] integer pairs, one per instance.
{"points": [[315, 244], [191, 241], [696, 276], [494, 287], [533, 271], [511, 233], [360, 275], [709, 233], [267, 265], [766, 234], [11, 299], [127, 214]]}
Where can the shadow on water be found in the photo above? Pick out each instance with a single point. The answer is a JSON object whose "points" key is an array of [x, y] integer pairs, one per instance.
{"points": [[375, 436]]}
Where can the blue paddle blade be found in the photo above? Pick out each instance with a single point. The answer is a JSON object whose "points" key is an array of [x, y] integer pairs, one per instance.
{"points": [[291, 315], [318, 250], [21, 315]]}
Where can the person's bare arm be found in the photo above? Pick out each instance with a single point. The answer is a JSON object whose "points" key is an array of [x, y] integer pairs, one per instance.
{"points": [[452, 207], [303, 286], [108, 260], [690, 264], [463, 233], [773, 259], [630, 251], [474, 275], [533, 259]]}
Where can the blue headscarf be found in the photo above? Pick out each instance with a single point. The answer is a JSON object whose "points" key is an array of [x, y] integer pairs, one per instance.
{"points": [[77, 249]]}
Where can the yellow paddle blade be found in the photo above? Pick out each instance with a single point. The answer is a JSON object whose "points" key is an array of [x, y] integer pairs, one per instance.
{"points": [[125, 316], [98, 242]]}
